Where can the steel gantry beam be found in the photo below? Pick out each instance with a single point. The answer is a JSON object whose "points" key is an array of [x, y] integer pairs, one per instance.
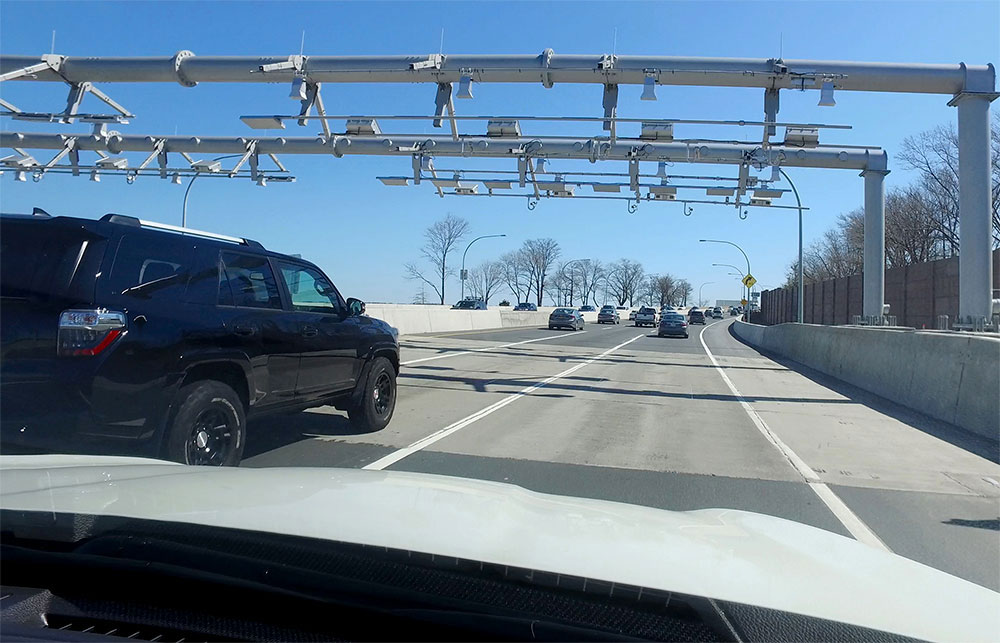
{"points": [[592, 149], [547, 68], [870, 161], [972, 88]]}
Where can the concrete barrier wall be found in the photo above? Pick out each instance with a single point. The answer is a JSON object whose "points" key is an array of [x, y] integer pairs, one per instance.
{"points": [[950, 376], [413, 318]]}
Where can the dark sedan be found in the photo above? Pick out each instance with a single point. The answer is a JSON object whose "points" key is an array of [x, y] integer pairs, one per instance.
{"points": [[696, 317], [608, 315], [525, 305], [672, 324], [566, 318]]}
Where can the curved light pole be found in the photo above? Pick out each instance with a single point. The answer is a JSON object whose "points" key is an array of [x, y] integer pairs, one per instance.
{"points": [[562, 272], [184, 209], [749, 303], [699, 290], [462, 274], [801, 293], [729, 265]]}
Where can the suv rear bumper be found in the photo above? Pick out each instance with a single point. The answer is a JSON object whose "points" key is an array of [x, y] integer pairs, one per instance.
{"points": [[71, 412]]}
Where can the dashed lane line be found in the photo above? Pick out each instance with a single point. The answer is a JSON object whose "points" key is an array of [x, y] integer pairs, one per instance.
{"points": [[423, 443], [487, 348]]}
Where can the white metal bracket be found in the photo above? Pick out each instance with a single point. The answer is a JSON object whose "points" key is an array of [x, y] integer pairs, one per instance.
{"points": [[433, 61]]}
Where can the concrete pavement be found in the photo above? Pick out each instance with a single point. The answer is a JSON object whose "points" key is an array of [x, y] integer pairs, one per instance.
{"points": [[614, 412]]}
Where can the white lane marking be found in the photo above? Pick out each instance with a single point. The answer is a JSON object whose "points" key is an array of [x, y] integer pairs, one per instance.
{"points": [[398, 455], [848, 518], [488, 348]]}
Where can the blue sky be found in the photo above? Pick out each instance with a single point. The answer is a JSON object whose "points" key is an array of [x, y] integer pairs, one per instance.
{"points": [[362, 232]]}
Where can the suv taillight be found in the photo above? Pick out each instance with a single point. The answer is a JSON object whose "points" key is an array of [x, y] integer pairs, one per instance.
{"points": [[88, 332]]}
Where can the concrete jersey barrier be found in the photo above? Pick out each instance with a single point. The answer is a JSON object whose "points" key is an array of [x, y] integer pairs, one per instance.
{"points": [[412, 319], [949, 376]]}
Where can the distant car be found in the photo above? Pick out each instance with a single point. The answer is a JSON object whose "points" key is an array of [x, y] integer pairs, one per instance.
{"points": [[645, 316], [566, 318], [587, 309], [631, 315], [696, 316], [666, 309], [717, 312], [672, 324], [608, 315], [733, 312], [526, 305], [470, 304]]}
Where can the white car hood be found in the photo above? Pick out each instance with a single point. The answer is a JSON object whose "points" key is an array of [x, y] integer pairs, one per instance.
{"points": [[719, 553]]}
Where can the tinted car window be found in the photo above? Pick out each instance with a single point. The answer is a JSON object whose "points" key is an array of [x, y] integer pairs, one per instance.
{"points": [[308, 288], [250, 280], [40, 260], [206, 277], [148, 266]]}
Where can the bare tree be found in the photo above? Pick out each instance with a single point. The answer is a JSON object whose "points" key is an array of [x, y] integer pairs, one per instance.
{"points": [[665, 287], [540, 255], [592, 273], [934, 154], [624, 280], [439, 240], [420, 297], [682, 290], [485, 279], [516, 274], [649, 290]]}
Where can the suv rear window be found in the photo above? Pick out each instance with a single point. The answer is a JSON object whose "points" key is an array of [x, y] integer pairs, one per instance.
{"points": [[647, 311], [152, 267], [41, 259]]}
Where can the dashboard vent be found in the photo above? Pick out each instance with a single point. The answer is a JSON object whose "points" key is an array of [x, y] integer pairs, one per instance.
{"points": [[118, 629]]}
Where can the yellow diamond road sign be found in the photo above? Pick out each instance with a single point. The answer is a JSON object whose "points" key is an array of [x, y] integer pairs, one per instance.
{"points": [[749, 281]]}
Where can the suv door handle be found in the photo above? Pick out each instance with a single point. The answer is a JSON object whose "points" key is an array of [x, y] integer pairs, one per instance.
{"points": [[309, 331], [244, 330]]}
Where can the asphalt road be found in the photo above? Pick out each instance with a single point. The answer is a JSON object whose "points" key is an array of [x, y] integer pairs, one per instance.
{"points": [[616, 413]]}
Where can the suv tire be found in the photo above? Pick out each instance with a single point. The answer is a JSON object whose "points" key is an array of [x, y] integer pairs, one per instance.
{"points": [[209, 427], [378, 398]]}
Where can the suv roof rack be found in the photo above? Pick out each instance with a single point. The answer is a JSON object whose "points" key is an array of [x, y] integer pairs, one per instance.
{"points": [[134, 221]]}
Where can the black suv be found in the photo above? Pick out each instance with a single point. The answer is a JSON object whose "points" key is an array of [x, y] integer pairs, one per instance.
{"points": [[168, 338]]}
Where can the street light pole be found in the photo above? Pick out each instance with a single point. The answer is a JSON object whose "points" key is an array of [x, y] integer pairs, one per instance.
{"points": [[699, 290], [729, 265], [562, 272], [184, 209], [749, 303], [802, 281], [462, 274]]}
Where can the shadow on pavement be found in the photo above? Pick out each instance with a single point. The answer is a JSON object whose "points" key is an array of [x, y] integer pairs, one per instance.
{"points": [[275, 431], [954, 435], [993, 525], [478, 384]]}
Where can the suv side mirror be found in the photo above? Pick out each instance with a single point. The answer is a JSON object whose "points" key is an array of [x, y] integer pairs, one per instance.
{"points": [[356, 306]]}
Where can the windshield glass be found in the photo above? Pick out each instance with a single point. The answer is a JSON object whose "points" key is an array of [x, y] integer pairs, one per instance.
{"points": [[746, 263]]}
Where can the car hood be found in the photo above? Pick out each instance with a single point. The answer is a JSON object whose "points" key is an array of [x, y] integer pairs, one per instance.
{"points": [[719, 553]]}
